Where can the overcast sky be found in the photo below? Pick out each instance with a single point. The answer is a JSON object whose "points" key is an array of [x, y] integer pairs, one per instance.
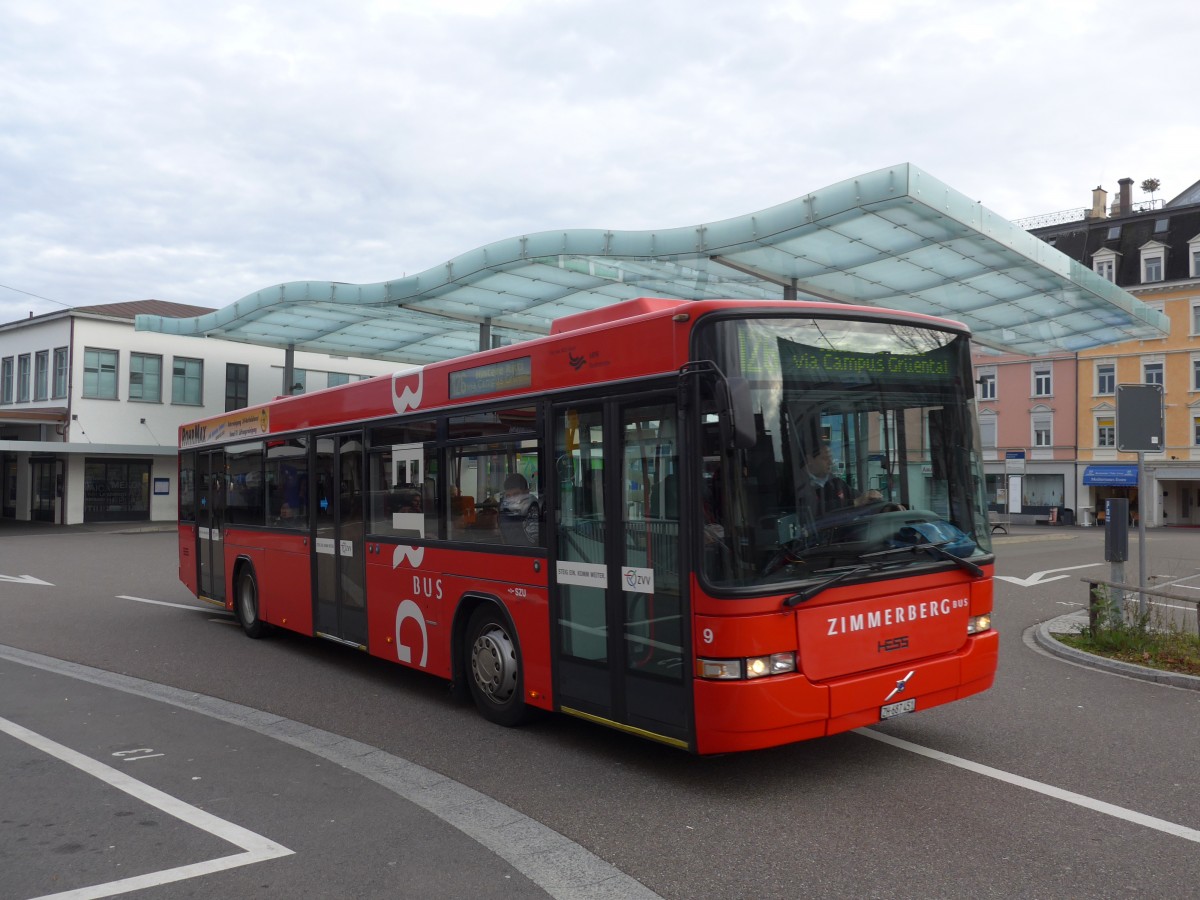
{"points": [[197, 152]]}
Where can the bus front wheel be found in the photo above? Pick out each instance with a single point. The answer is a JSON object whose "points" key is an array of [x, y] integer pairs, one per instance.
{"points": [[494, 668], [247, 605]]}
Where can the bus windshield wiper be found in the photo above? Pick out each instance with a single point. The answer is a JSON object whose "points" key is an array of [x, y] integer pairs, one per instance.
{"points": [[939, 550], [809, 592], [878, 562]]}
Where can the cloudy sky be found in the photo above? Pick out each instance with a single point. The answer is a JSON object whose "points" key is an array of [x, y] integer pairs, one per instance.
{"points": [[197, 152]]}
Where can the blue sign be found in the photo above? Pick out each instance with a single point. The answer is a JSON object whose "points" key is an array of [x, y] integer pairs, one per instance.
{"points": [[1111, 476]]}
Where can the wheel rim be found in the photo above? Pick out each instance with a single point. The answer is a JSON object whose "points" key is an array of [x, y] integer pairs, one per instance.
{"points": [[494, 663], [247, 601]]}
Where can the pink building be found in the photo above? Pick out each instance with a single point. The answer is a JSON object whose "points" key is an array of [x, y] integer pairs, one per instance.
{"points": [[1027, 422]]}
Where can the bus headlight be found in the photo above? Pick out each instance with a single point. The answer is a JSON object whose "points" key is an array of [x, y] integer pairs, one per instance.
{"points": [[738, 669], [976, 624]]}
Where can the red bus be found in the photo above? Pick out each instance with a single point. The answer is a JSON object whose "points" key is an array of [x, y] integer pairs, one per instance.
{"points": [[723, 525]]}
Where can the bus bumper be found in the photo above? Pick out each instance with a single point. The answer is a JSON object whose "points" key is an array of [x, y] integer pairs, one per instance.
{"points": [[734, 716]]}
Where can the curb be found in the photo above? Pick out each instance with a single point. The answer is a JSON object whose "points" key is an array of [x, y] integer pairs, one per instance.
{"points": [[1043, 635]]}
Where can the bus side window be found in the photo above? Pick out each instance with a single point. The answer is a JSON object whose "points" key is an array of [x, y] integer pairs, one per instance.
{"points": [[287, 483]]}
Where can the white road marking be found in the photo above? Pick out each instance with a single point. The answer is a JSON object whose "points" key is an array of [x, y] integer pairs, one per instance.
{"points": [[257, 848], [1039, 577], [24, 579], [1108, 809], [559, 866], [212, 610]]}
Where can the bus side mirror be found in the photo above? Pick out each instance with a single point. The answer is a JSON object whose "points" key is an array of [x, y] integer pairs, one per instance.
{"points": [[740, 413]]}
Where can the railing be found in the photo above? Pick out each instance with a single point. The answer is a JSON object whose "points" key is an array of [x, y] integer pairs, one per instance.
{"points": [[1054, 218], [1078, 214]]}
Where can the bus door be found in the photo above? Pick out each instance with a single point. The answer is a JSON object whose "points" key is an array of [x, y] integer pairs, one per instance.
{"points": [[622, 644], [210, 524], [340, 577]]}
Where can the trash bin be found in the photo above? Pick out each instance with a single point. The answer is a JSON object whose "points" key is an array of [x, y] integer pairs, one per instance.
{"points": [[1066, 516]]}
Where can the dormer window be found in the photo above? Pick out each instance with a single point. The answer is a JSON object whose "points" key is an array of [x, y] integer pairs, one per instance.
{"points": [[1154, 261], [1160, 226], [1104, 264], [1194, 257], [1114, 233]]}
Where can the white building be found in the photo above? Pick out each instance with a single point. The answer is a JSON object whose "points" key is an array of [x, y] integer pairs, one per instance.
{"points": [[90, 408]]}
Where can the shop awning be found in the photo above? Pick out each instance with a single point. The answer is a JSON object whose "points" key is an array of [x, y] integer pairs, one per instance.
{"points": [[1111, 476]]}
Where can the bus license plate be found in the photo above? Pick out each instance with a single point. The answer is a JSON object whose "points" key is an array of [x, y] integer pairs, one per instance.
{"points": [[898, 709]]}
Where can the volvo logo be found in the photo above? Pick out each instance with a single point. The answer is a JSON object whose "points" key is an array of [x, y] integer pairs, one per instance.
{"points": [[900, 686]]}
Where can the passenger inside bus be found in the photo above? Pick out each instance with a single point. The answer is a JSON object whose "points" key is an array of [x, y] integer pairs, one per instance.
{"points": [[518, 512]]}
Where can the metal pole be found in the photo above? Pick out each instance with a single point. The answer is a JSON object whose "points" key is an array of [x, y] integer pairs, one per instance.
{"points": [[289, 369], [1142, 602]]}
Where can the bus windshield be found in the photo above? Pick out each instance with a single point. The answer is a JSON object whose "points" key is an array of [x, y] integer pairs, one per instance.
{"points": [[865, 458]]}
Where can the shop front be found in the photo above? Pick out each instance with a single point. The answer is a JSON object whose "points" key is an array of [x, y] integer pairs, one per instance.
{"points": [[1179, 488], [116, 490], [1104, 482]]}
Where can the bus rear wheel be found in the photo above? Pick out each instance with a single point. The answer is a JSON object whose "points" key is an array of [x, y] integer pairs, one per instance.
{"points": [[494, 668], [246, 605]]}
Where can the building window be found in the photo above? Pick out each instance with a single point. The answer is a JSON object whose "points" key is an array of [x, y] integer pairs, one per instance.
{"points": [[41, 375], [1041, 383], [187, 381], [6, 380], [987, 431], [1104, 264], [23, 378], [1106, 432], [1152, 373], [1195, 319], [336, 378], [99, 374], [237, 386], [60, 372], [1195, 273], [987, 385], [1042, 434], [1106, 378], [1154, 255], [145, 377], [1195, 374], [1196, 430]]}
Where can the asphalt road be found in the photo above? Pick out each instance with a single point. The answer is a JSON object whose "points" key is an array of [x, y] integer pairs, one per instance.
{"points": [[1062, 781]]}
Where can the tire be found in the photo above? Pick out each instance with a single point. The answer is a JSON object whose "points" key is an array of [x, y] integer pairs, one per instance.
{"points": [[494, 670], [245, 604]]}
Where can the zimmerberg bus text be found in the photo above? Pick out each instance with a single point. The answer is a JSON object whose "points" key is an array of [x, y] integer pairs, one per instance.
{"points": [[895, 615]]}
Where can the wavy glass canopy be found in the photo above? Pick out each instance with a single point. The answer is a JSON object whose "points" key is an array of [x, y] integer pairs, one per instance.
{"points": [[895, 238]]}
